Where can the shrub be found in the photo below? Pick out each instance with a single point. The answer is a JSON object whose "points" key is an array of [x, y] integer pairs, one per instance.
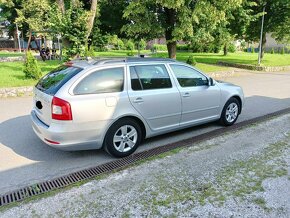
{"points": [[99, 40], [65, 54], [31, 68], [243, 45], [141, 44], [130, 45], [158, 47], [102, 48], [183, 47], [191, 60], [283, 51], [252, 49], [216, 49], [232, 48], [272, 51], [120, 44], [130, 53], [90, 52]]}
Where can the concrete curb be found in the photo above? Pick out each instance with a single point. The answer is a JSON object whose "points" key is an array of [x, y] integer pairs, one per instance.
{"points": [[16, 91], [11, 59], [253, 67]]}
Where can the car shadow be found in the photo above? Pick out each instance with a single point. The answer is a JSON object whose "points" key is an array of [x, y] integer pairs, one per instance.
{"points": [[45, 162], [17, 134]]}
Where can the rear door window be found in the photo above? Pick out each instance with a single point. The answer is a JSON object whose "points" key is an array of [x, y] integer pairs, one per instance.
{"points": [[54, 80], [101, 81], [146, 77]]}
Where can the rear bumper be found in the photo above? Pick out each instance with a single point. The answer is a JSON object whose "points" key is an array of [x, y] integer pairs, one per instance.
{"points": [[69, 136]]}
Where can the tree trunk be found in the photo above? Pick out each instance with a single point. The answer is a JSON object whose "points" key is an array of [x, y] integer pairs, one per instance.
{"points": [[264, 40], [225, 49], [171, 48], [16, 45], [170, 17], [91, 19], [29, 40], [60, 4]]}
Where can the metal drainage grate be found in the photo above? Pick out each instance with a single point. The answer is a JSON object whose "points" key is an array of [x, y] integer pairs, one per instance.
{"points": [[81, 175]]}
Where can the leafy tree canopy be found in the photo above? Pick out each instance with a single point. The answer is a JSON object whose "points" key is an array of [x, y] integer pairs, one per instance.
{"points": [[276, 21], [72, 26], [175, 19], [34, 13]]}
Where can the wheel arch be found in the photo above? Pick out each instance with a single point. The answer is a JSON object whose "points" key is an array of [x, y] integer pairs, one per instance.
{"points": [[139, 121], [239, 100], [135, 118]]}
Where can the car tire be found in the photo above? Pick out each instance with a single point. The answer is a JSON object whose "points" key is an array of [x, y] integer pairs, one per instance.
{"points": [[230, 112], [123, 138]]}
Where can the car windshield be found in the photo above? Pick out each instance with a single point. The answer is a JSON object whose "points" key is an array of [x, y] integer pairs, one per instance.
{"points": [[54, 80]]}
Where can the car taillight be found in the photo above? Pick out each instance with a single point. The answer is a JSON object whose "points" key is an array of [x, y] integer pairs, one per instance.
{"points": [[60, 109]]}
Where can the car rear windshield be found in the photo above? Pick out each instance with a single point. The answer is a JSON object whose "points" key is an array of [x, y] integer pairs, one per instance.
{"points": [[54, 80]]}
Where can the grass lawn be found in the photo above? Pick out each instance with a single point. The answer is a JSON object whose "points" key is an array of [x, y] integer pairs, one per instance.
{"points": [[242, 58], [10, 54], [239, 57], [11, 73]]}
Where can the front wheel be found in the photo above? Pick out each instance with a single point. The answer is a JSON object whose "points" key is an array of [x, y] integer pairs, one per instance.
{"points": [[230, 112], [123, 138]]}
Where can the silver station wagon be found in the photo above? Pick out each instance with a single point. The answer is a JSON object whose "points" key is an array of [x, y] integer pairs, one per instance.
{"points": [[116, 103]]}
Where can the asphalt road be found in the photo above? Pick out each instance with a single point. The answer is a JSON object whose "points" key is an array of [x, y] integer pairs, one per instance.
{"points": [[25, 160]]}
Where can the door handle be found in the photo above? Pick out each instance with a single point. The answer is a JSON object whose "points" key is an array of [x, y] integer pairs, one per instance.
{"points": [[186, 94], [138, 100]]}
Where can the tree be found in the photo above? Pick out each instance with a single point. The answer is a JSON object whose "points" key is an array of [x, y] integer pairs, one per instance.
{"points": [[92, 16], [276, 21], [8, 13], [34, 14], [174, 19], [282, 32], [111, 18], [69, 17], [237, 21], [70, 25]]}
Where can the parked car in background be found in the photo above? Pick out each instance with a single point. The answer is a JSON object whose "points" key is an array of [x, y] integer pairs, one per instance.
{"points": [[116, 103]]}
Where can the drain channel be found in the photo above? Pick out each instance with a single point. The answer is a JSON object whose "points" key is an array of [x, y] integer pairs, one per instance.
{"points": [[81, 175]]}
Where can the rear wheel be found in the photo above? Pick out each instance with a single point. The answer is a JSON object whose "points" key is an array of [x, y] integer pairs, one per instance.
{"points": [[230, 112], [123, 138]]}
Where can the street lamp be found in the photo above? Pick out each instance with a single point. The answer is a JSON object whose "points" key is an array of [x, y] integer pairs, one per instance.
{"points": [[261, 37]]}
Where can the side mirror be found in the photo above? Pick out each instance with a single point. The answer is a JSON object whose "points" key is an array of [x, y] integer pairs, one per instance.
{"points": [[211, 82]]}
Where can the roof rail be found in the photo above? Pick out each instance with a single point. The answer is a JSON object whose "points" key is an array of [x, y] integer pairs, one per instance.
{"points": [[108, 60]]}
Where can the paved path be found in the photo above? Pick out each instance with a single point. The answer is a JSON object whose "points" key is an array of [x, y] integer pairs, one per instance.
{"points": [[24, 159]]}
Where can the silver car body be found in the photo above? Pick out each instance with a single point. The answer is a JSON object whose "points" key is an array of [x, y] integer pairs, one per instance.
{"points": [[158, 111]]}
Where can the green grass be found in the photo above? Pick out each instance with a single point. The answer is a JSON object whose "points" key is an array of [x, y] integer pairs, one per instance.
{"points": [[10, 54], [11, 73], [12, 76], [239, 57]]}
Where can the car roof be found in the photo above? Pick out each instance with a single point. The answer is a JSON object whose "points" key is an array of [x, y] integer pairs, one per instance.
{"points": [[84, 63]]}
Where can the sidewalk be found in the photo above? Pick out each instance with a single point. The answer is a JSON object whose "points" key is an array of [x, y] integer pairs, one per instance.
{"points": [[245, 173]]}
